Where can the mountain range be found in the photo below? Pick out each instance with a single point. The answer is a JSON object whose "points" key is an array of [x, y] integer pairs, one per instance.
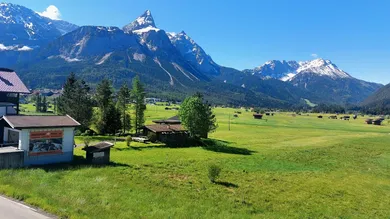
{"points": [[172, 65]]}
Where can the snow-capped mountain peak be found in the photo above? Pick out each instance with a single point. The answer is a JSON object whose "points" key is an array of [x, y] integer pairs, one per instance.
{"points": [[142, 22], [322, 67], [287, 70], [193, 52], [24, 27]]}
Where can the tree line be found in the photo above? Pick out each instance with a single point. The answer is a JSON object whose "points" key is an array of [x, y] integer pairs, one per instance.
{"points": [[104, 109]]}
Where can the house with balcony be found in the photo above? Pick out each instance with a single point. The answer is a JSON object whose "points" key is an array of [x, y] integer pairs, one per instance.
{"points": [[30, 139]]}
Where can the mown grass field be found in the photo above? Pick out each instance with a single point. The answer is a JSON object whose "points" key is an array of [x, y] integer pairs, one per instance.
{"points": [[278, 167]]}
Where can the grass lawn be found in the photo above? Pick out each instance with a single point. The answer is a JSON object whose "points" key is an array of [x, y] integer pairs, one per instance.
{"points": [[29, 109], [278, 167]]}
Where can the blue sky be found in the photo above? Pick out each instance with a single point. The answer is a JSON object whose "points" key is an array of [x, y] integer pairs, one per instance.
{"points": [[355, 35]]}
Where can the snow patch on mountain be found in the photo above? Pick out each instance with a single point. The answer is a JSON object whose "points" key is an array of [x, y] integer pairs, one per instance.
{"points": [[145, 30], [14, 48], [66, 58], [139, 57], [104, 58], [288, 77], [169, 74], [177, 67]]}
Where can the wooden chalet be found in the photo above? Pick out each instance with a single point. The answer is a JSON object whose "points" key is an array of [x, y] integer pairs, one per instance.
{"points": [[30, 140], [10, 89], [169, 131]]}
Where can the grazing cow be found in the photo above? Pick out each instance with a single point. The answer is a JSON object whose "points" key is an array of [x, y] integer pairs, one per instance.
{"points": [[235, 115], [345, 117], [332, 117], [378, 121], [257, 116], [354, 116], [320, 117], [369, 121]]}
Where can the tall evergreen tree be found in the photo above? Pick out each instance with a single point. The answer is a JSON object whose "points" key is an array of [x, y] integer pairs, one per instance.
{"points": [[44, 104], [123, 99], [108, 121], [38, 103], [104, 95], [76, 101], [138, 93]]}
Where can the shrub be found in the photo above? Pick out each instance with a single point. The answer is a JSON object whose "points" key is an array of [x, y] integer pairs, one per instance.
{"points": [[128, 140], [77, 132], [152, 137], [214, 172], [87, 140]]}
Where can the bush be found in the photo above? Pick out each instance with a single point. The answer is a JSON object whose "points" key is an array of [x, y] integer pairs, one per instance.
{"points": [[128, 140], [87, 140], [152, 137], [214, 172], [77, 132]]}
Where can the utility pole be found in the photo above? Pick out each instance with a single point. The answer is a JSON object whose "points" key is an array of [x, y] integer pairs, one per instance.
{"points": [[229, 122]]}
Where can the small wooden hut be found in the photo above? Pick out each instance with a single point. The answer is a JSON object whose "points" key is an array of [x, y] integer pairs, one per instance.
{"points": [[99, 153]]}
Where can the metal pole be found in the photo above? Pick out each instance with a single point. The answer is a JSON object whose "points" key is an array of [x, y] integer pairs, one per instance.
{"points": [[229, 121]]}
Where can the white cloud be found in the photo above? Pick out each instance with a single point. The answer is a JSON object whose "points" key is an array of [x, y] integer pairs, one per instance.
{"points": [[51, 12], [314, 55]]}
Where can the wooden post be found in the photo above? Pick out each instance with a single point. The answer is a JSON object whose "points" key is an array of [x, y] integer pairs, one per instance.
{"points": [[17, 104], [229, 121]]}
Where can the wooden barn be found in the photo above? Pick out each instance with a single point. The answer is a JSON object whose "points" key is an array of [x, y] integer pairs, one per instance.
{"points": [[169, 131]]}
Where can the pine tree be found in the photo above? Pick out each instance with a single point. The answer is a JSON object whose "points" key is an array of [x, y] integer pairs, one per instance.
{"points": [[76, 101], [38, 103], [44, 105], [123, 100], [138, 93], [108, 121]]}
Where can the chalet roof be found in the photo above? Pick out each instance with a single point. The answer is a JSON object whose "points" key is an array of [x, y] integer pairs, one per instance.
{"points": [[172, 120], [19, 121], [11, 83], [157, 128], [99, 146]]}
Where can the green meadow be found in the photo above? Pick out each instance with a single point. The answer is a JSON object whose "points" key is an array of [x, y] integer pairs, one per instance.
{"points": [[278, 167]]}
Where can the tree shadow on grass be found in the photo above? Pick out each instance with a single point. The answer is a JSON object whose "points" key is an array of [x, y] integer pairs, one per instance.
{"points": [[226, 184], [223, 147], [79, 162], [215, 145]]}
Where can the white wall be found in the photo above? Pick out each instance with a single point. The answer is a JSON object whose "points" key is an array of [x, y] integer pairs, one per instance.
{"points": [[5, 135]]}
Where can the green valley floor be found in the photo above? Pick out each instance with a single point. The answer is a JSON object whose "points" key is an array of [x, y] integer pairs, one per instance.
{"points": [[278, 167]]}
